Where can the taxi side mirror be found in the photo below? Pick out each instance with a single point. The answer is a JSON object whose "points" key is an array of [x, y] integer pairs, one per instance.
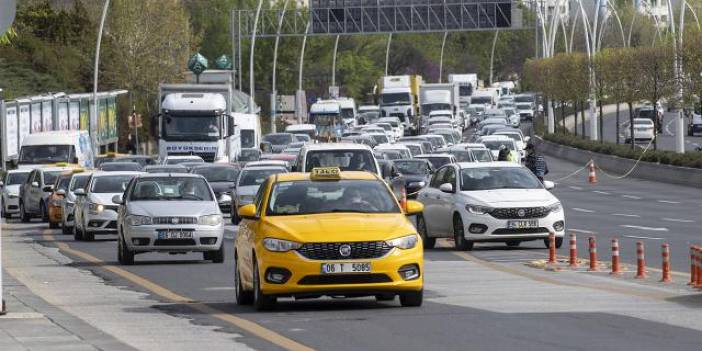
{"points": [[247, 212], [413, 207]]}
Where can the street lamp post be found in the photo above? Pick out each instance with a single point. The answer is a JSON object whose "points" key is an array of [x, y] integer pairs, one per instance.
{"points": [[387, 53], [94, 117], [298, 96], [252, 83], [441, 58], [336, 48], [274, 91]]}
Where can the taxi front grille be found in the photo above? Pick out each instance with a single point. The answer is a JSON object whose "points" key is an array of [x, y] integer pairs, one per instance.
{"points": [[174, 220], [515, 212], [338, 279], [331, 251]]}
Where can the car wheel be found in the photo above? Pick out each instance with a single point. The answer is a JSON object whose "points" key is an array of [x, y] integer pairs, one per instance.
{"points": [[412, 298], [44, 212], [513, 243], [262, 302], [124, 255], [243, 297], [77, 235], [24, 216], [559, 242], [385, 297], [458, 235], [216, 256], [88, 236], [66, 230], [429, 243], [235, 216]]}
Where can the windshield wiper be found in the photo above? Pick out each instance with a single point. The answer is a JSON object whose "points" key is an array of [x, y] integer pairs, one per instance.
{"points": [[336, 210]]}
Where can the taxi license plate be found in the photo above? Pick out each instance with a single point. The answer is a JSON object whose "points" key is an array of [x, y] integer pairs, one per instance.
{"points": [[174, 234], [522, 224], [359, 267]]}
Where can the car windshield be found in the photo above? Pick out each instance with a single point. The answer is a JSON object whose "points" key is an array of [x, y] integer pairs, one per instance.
{"points": [[513, 136], [111, 184], [16, 178], [369, 117], [42, 154], [414, 167], [120, 166], [448, 136], [171, 189], [302, 137], [437, 162], [63, 183], [347, 113], [489, 178], [462, 155], [249, 155], [496, 144], [176, 161], [346, 160], [218, 174], [395, 98], [380, 138], [482, 155], [166, 170], [279, 139], [311, 197], [386, 126], [79, 182], [256, 176], [50, 177], [414, 149], [646, 113], [523, 98], [524, 105]]}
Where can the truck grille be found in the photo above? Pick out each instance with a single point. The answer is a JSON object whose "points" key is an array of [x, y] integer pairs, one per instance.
{"points": [[330, 251], [174, 220], [514, 213]]}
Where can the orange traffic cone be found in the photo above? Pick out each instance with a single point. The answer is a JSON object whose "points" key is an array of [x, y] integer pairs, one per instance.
{"points": [[592, 176]]}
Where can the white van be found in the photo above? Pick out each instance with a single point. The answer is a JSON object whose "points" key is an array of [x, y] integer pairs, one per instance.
{"points": [[74, 147], [348, 110]]}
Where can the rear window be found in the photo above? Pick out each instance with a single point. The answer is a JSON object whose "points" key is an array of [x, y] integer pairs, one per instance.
{"points": [[346, 160]]}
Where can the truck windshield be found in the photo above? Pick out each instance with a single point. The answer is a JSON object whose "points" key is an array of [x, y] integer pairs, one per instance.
{"points": [[347, 113], [465, 90], [43, 154], [427, 108], [191, 128], [323, 119], [395, 99], [481, 100], [524, 98]]}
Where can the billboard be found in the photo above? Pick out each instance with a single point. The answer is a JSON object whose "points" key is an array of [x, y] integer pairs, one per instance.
{"points": [[36, 117], [24, 121], [84, 114], [11, 145], [47, 116], [62, 115], [74, 115], [102, 120]]}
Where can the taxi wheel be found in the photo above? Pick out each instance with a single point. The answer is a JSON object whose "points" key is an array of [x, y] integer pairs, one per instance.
{"points": [[429, 243], [124, 255], [243, 297], [458, 235], [412, 298], [262, 302], [559, 243], [24, 216]]}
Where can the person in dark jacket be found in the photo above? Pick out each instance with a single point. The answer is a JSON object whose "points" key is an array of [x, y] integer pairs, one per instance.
{"points": [[503, 155], [535, 162]]}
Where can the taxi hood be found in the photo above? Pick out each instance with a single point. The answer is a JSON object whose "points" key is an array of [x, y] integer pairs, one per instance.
{"points": [[338, 227]]}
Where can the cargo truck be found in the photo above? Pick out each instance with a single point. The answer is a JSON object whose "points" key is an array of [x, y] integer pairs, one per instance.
{"points": [[467, 83], [442, 97], [398, 96]]}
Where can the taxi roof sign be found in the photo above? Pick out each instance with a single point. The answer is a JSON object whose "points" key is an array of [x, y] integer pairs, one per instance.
{"points": [[326, 173]]}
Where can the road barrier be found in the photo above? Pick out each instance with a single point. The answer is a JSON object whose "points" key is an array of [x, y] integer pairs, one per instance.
{"points": [[615, 257], [640, 261], [696, 272], [573, 259], [552, 248], [592, 175], [665, 255], [593, 254], [693, 266]]}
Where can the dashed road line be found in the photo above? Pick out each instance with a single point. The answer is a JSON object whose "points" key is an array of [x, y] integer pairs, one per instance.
{"points": [[678, 220], [631, 197], [601, 192], [653, 229], [575, 187], [577, 209], [668, 202], [582, 231], [625, 215], [642, 237]]}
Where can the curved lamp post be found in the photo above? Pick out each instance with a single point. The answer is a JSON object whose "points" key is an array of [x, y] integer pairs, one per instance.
{"points": [[441, 58], [274, 91], [93, 118], [387, 53], [252, 84]]}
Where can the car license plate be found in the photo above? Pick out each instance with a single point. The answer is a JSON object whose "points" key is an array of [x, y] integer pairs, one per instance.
{"points": [[332, 268], [522, 224], [174, 234]]}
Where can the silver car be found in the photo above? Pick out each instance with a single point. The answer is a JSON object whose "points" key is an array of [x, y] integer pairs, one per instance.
{"points": [[78, 181], [247, 185], [173, 213], [9, 190]]}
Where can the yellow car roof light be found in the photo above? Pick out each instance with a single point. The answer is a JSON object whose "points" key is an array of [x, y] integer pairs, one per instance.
{"points": [[326, 173]]}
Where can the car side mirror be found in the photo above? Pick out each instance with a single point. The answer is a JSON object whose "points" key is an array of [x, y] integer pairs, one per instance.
{"points": [[413, 207], [61, 192], [446, 187], [247, 212], [35, 184], [117, 199], [48, 188], [549, 185], [79, 192]]}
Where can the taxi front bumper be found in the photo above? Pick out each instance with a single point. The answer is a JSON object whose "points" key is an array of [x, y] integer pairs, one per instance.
{"points": [[304, 277]]}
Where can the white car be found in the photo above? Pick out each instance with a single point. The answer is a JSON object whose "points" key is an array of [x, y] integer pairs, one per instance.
{"points": [[397, 126], [488, 202], [10, 187], [95, 212], [643, 130], [518, 138], [494, 142], [174, 160], [78, 181]]}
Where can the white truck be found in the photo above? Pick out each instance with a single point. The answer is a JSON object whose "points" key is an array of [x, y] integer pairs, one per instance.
{"points": [[439, 97], [467, 83], [348, 110], [399, 97], [485, 97]]}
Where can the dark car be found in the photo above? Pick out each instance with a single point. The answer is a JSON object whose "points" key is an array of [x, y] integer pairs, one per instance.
{"points": [[120, 166], [415, 173], [165, 169], [222, 179]]}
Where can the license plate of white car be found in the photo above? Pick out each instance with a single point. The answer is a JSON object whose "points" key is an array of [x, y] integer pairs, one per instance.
{"points": [[522, 224], [174, 234], [357, 267]]}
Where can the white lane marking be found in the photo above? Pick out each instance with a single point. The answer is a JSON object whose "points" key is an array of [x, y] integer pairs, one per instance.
{"points": [[678, 220], [575, 187], [631, 197], [583, 231], [219, 288], [668, 202], [653, 229], [625, 215], [601, 192], [582, 210], [642, 237]]}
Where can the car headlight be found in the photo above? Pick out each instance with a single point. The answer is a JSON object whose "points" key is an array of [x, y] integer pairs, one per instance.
{"points": [[96, 208], [210, 220], [555, 208], [135, 220], [246, 199], [280, 245], [404, 243], [478, 209]]}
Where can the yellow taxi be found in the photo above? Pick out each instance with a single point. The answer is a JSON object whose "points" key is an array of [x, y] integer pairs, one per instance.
{"points": [[327, 233], [57, 196]]}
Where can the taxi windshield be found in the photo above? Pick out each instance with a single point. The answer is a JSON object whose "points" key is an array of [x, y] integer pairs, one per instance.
{"points": [[313, 197]]}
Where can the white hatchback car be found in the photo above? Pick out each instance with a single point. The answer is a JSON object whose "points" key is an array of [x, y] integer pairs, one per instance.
{"points": [[488, 202], [643, 130]]}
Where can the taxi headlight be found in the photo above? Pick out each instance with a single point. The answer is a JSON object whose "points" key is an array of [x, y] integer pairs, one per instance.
{"points": [[555, 208], [404, 243], [210, 220], [280, 245], [135, 220], [477, 209], [96, 208]]}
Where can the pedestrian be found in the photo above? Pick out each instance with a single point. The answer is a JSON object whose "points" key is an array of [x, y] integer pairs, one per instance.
{"points": [[535, 162], [503, 155]]}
